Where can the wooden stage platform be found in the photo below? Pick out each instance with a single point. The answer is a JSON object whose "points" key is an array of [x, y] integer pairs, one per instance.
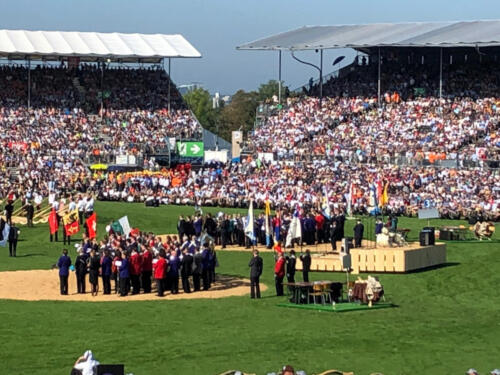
{"points": [[382, 259]]}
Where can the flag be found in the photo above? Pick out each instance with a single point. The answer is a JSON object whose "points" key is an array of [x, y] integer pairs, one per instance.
{"points": [[384, 199], [4, 232], [121, 226], [350, 200], [372, 200], [71, 224], [268, 226], [295, 230], [326, 209], [53, 222], [380, 192], [249, 225], [92, 225]]}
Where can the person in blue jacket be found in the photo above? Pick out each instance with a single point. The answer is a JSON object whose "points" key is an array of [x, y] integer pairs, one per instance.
{"points": [[106, 272], [205, 266], [63, 264], [173, 272], [124, 275]]}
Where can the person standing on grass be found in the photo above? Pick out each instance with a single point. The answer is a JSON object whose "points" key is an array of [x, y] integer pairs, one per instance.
{"points": [[63, 264], [160, 270], [205, 266], [115, 271], [124, 273], [12, 238], [197, 269], [173, 272], [306, 265], [106, 262], [94, 266], [135, 270], [291, 263], [256, 265], [186, 270], [81, 271], [279, 274], [358, 234], [146, 270]]}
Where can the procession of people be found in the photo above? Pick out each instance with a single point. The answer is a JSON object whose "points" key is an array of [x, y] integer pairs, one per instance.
{"points": [[133, 262]]}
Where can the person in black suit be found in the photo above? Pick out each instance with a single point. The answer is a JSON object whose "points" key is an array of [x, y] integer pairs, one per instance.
{"points": [[13, 237], [181, 227], [197, 270], [358, 233], [186, 269], [9, 210], [306, 265], [256, 264], [291, 263], [30, 212], [81, 271]]}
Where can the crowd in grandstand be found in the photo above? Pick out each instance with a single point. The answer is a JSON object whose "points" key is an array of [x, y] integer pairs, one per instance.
{"points": [[329, 151]]}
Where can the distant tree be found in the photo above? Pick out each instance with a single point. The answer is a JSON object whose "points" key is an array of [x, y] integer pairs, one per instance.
{"points": [[271, 88], [240, 113], [199, 101]]}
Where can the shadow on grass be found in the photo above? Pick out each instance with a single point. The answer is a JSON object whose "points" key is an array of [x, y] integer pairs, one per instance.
{"points": [[432, 268], [30, 255], [223, 282]]}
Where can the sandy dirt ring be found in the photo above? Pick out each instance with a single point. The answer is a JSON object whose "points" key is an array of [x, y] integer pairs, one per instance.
{"points": [[38, 285]]}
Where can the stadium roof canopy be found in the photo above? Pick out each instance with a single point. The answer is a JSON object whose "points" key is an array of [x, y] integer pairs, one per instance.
{"points": [[362, 37], [90, 46]]}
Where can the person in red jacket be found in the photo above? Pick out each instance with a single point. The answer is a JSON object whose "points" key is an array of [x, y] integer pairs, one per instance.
{"points": [[147, 268], [279, 274], [135, 271], [160, 271]]}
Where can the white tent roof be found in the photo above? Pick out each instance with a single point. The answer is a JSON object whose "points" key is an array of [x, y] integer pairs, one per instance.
{"points": [[414, 34], [92, 46]]}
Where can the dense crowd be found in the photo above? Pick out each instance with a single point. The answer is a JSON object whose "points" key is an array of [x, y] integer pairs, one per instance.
{"points": [[46, 147], [354, 129], [316, 154]]}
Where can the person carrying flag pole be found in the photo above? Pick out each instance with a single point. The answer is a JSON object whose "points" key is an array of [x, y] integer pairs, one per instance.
{"points": [[249, 225], [267, 223]]}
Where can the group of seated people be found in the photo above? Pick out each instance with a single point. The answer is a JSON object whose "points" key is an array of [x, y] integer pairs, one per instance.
{"points": [[134, 262]]}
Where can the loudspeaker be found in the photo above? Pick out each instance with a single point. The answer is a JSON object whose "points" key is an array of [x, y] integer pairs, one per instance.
{"points": [[427, 236], [345, 261], [110, 370]]}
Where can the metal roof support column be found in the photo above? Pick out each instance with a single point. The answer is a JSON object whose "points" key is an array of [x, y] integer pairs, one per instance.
{"points": [[279, 79], [378, 85], [169, 81], [441, 73], [29, 82], [321, 76]]}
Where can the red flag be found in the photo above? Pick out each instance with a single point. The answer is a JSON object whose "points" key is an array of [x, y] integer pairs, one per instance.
{"points": [[92, 225], [53, 223], [72, 228]]}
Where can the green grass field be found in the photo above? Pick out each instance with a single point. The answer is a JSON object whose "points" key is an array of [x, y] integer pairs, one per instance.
{"points": [[447, 319]]}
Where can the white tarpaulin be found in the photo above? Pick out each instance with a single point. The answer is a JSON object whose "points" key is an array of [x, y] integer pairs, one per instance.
{"points": [[115, 46]]}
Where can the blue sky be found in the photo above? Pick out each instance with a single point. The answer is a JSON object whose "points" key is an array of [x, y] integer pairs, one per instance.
{"points": [[216, 27]]}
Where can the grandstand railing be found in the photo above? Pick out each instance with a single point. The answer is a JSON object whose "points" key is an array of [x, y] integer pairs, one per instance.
{"points": [[465, 163]]}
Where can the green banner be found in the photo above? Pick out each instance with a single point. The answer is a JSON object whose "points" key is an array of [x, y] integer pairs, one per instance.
{"points": [[190, 149]]}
